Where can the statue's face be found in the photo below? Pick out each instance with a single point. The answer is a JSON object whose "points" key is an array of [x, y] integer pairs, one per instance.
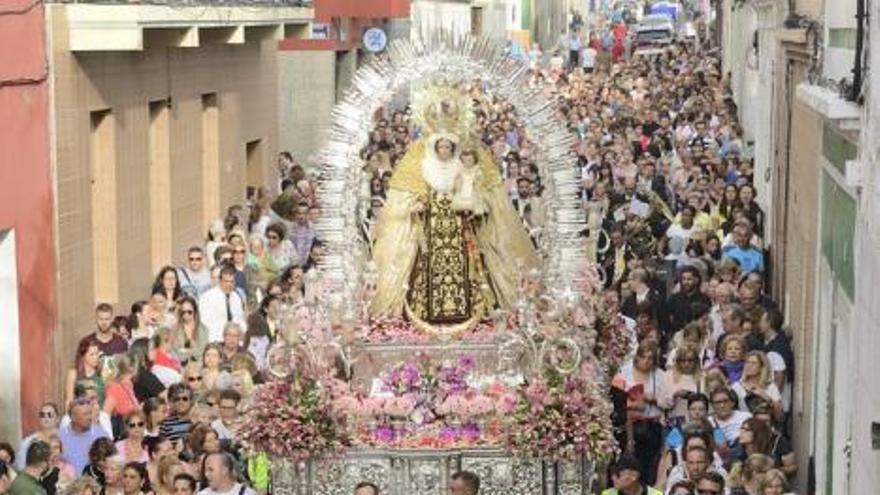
{"points": [[444, 149]]}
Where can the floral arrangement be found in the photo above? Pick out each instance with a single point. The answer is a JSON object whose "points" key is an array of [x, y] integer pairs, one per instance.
{"points": [[562, 417], [384, 330], [296, 418], [614, 340]]}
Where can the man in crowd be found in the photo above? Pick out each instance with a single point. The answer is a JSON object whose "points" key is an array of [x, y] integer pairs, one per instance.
{"points": [[747, 256], [366, 488], [36, 464], [222, 304], [178, 423], [464, 483], [682, 304], [109, 342], [303, 234], [78, 436], [221, 477], [195, 277], [625, 478], [228, 408]]}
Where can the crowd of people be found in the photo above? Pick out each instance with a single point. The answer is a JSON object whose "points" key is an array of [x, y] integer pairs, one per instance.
{"points": [[152, 396]]}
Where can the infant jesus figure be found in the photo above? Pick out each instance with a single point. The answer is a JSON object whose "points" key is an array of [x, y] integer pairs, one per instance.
{"points": [[466, 196]]}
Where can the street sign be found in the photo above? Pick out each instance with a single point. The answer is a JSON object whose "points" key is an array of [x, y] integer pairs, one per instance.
{"points": [[375, 40]]}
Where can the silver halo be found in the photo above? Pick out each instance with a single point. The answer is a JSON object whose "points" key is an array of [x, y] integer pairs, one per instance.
{"points": [[412, 63]]}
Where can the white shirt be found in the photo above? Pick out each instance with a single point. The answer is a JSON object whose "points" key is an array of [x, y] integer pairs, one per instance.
{"points": [[235, 490], [732, 425], [223, 433], [212, 308], [103, 421]]}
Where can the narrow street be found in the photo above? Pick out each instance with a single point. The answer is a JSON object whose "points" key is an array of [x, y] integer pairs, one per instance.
{"points": [[439, 246]]}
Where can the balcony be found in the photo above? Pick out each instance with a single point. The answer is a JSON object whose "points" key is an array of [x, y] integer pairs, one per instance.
{"points": [[117, 25]]}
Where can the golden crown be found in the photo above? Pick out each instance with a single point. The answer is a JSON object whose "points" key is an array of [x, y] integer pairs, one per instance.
{"points": [[442, 108]]}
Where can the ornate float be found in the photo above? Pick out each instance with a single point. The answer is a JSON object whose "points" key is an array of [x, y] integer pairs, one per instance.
{"points": [[491, 366]]}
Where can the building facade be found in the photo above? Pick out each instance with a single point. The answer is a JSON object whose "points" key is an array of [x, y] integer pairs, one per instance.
{"points": [[28, 313], [793, 68], [134, 125]]}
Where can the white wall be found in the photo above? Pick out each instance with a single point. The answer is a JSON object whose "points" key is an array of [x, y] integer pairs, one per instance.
{"points": [[752, 81], [866, 461], [10, 369], [431, 15]]}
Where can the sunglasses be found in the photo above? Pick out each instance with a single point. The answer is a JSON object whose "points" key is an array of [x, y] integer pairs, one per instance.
{"points": [[139, 424], [194, 378], [181, 398], [239, 251], [47, 414]]}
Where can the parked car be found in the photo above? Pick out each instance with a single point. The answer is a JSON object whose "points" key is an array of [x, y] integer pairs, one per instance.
{"points": [[653, 30]]}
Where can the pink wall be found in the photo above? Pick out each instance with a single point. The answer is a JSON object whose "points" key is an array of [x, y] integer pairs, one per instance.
{"points": [[26, 192], [366, 9]]}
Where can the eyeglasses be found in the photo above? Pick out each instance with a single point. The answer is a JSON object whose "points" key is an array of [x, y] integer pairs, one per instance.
{"points": [[47, 414], [239, 251], [194, 378], [139, 424], [180, 398]]}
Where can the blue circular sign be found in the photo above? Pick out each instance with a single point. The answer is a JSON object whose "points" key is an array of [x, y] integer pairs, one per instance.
{"points": [[375, 40]]}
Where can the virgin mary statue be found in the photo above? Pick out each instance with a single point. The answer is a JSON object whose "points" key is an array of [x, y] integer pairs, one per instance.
{"points": [[449, 246]]}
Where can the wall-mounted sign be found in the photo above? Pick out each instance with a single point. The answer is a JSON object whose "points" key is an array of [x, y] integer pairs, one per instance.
{"points": [[320, 31], [375, 40]]}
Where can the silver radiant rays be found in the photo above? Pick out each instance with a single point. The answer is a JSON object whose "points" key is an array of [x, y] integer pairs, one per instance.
{"points": [[412, 63]]}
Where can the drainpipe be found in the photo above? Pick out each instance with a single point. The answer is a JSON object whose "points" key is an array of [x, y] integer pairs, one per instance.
{"points": [[861, 16]]}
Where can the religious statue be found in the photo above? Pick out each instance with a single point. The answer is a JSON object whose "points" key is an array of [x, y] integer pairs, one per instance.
{"points": [[449, 247]]}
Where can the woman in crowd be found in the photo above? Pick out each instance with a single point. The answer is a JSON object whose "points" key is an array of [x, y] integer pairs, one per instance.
{"points": [[212, 360], [757, 381], [155, 411], [121, 399], [60, 473], [166, 366], [112, 484], [155, 315], [101, 450], [146, 383], [169, 468], [84, 485], [189, 336], [262, 328], [134, 479], [732, 363], [773, 483], [168, 282], [87, 366], [683, 380], [643, 382], [280, 248], [131, 448]]}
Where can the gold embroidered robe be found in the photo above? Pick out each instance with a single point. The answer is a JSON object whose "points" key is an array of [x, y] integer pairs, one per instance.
{"points": [[493, 250]]}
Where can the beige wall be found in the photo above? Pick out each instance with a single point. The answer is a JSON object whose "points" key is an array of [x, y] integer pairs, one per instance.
{"points": [[801, 251], [244, 77], [306, 95]]}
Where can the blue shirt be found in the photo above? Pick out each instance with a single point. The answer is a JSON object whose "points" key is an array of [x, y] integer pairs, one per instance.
{"points": [[76, 445], [750, 259]]}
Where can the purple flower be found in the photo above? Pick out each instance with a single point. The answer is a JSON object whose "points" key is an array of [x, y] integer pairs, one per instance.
{"points": [[384, 433], [449, 433], [470, 432]]}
